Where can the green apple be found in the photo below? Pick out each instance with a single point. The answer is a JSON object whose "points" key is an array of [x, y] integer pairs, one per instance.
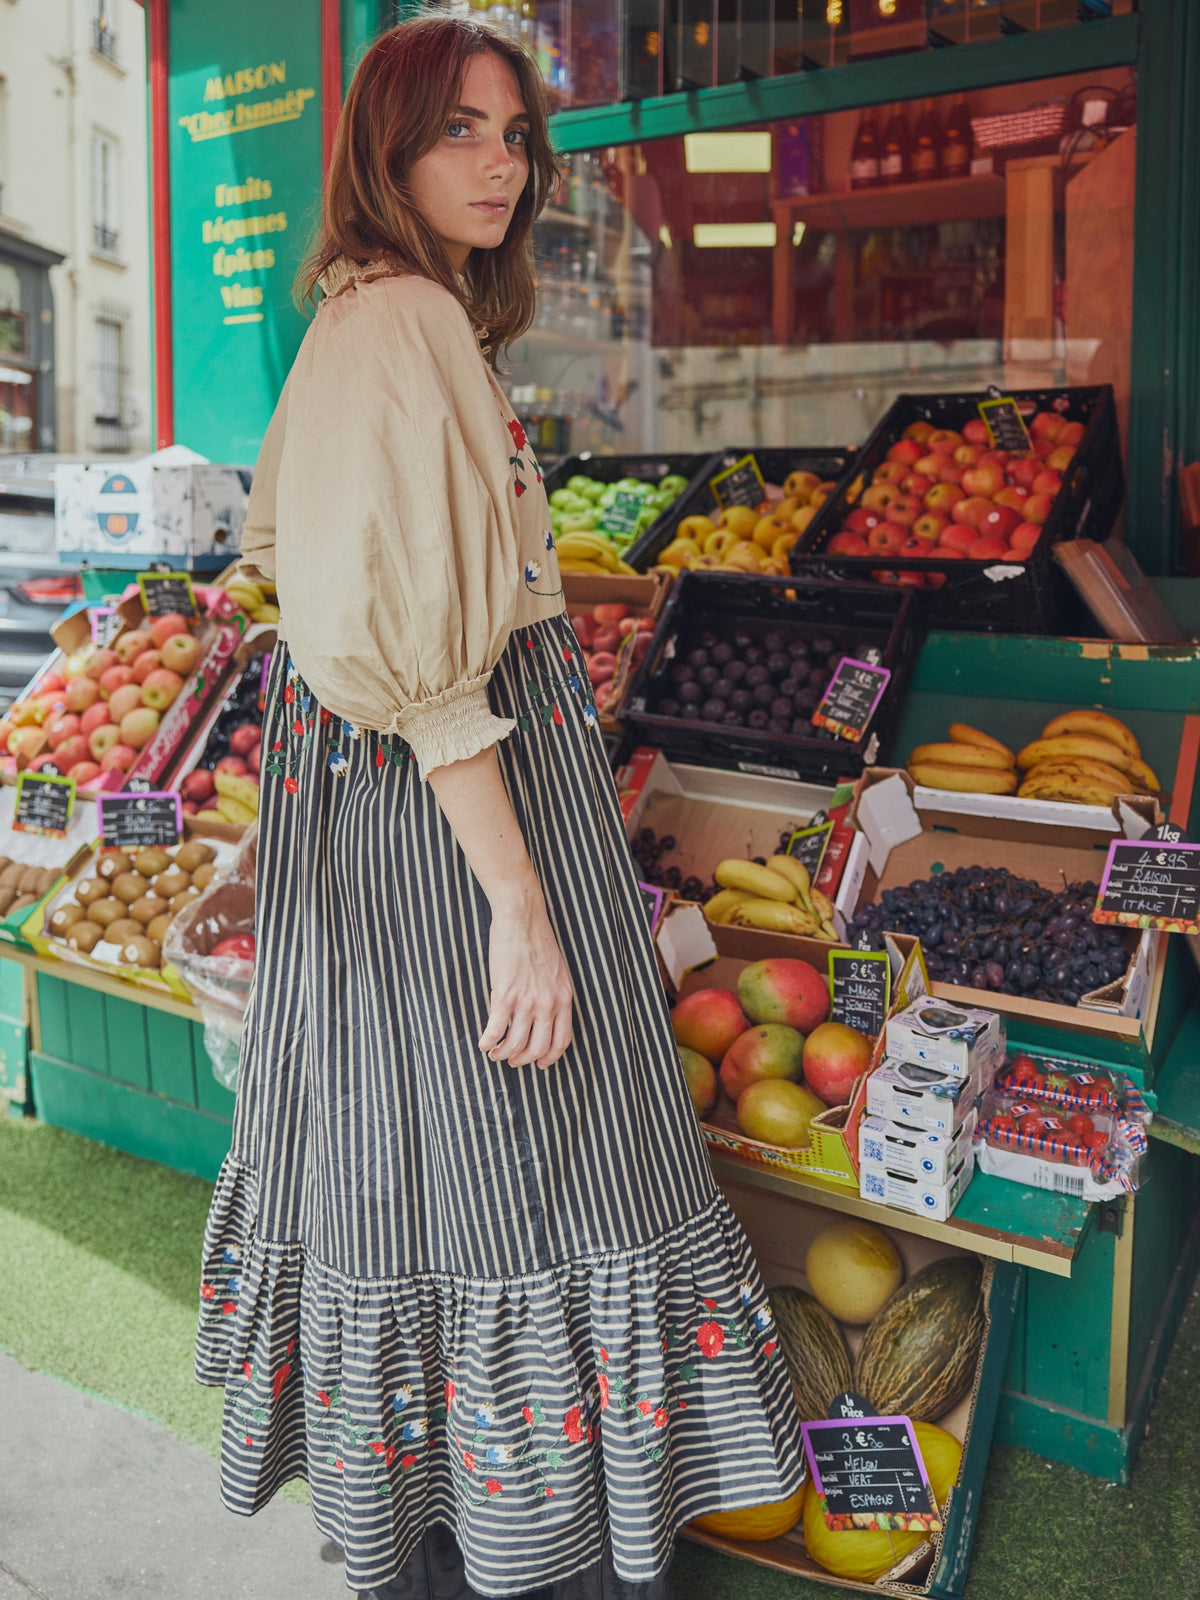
{"points": [[672, 484]]}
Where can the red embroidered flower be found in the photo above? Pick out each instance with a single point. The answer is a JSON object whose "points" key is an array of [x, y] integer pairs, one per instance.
{"points": [[549, 1492], [660, 1418], [207, 1291], [527, 1414], [326, 717], [558, 720], [567, 653], [468, 1460], [682, 1405], [520, 488], [340, 1466], [645, 1407], [449, 1393], [289, 694], [229, 1309], [711, 1305], [518, 434], [380, 758], [573, 1425], [281, 1377], [297, 726], [291, 1347], [249, 1442], [291, 785], [406, 1462], [602, 1380], [492, 1486], [710, 1336], [378, 1446], [278, 745], [603, 1354], [769, 1348], [323, 1397]]}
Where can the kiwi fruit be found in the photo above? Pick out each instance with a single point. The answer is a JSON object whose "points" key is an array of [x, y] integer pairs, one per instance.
{"points": [[7, 896], [130, 886], [182, 900], [147, 908], [195, 853], [105, 911], [65, 918], [5, 861], [203, 875], [113, 863], [30, 880], [123, 928], [50, 876], [84, 936], [158, 929], [11, 877], [151, 861], [172, 882], [141, 952], [91, 889], [21, 903]]}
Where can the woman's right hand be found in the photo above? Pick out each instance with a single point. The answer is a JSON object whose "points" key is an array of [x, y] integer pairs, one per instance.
{"points": [[531, 996]]}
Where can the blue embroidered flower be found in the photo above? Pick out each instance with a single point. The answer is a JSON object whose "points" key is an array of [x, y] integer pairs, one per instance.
{"points": [[484, 1416], [338, 764], [402, 1397], [763, 1318], [589, 715], [234, 1285], [533, 571], [745, 1294], [497, 1454], [574, 684], [231, 1254], [548, 536], [414, 1429], [292, 675], [350, 730]]}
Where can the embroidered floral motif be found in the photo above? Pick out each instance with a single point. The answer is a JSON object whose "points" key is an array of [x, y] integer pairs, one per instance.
{"points": [[533, 571], [543, 692]]}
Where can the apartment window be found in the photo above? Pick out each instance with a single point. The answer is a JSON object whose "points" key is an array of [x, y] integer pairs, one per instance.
{"points": [[104, 194], [111, 417], [104, 40], [3, 142]]}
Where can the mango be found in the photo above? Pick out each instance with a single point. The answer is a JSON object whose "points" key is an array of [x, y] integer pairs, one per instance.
{"points": [[770, 1051], [708, 1021], [776, 1111], [700, 1078], [783, 990]]}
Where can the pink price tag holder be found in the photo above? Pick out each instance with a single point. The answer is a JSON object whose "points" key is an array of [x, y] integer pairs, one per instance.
{"points": [[870, 1475], [850, 698], [1151, 883]]}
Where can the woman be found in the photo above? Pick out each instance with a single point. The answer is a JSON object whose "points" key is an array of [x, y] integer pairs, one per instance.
{"points": [[460, 1294]]}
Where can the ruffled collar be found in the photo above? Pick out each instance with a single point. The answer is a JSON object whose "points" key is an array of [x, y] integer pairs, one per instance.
{"points": [[343, 273]]}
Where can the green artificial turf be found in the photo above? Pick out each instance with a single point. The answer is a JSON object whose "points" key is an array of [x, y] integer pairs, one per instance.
{"points": [[99, 1257]]}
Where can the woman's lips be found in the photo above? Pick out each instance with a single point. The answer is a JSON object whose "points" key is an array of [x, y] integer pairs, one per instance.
{"points": [[495, 208]]}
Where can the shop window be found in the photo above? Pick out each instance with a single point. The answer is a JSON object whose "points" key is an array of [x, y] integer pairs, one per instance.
{"points": [[105, 234], [782, 284], [110, 419], [18, 408], [104, 39]]}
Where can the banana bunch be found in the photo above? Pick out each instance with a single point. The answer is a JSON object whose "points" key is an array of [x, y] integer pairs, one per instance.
{"points": [[237, 798], [1087, 757], [580, 551], [970, 762], [778, 897], [252, 599]]}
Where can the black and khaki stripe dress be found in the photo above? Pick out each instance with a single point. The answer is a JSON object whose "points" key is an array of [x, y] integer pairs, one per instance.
{"points": [[440, 1288]]}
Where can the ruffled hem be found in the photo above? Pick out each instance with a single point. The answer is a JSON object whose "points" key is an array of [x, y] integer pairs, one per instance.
{"points": [[451, 726], [610, 1398]]}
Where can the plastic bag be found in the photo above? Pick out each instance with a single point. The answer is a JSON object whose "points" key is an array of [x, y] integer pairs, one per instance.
{"points": [[219, 984]]}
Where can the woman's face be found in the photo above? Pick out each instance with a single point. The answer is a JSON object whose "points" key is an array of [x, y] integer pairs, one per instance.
{"points": [[467, 186]]}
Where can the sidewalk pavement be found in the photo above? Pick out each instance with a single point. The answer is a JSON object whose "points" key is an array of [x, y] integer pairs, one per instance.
{"points": [[99, 1504]]}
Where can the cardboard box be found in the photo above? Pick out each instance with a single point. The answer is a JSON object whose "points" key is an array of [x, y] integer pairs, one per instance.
{"points": [[913, 1152], [959, 1040], [921, 1097], [901, 838], [190, 514], [260, 638], [644, 597], [889, 1187], [780, 1229]]}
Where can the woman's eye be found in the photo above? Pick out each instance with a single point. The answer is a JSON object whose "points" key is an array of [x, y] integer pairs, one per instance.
{"points": [[517, 136], [453, 131]]}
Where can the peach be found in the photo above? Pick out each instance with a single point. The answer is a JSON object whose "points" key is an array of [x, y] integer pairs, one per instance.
{"points": [[124, 700], [708, 1021], [131, 644], [834, 1058], [101, 662], [784, 990], [82, 693], [115, 678], [771, 1050], [139, 727], [97, 716], [166, 627]]}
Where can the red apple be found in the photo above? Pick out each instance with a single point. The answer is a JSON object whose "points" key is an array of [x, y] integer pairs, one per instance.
{"points": [[971, 511], [243, 738], [1023, 471], [968, 454], [944, 439], [1037, 507], [916, 483], [951, 472], [901, 580], [1061, 457], [886, 538], [1025, 536], [254, 758], [1012, 496], [919, 431], [233, 765], [64, 725], [103, 740], [1046, 425], [119, 758], [929, 466], [71, 752], [149, 661], [984, 481], [1042, 448], [161, 689], [915, 549], [1071, 434], [101, 662], [182, 653], [891, 472], [139, 727], [861, 520], [198, 785], [947, 552], [85, 773], [1047, 481], [905, 450], [97, 716], [975, 432], [904, 510], [929, 528], [164, 628], [987, 548], [124, 700], [941, 497], [958, 536], [131, 644], [47, 761], [880, 496], [82, 693], [115, 678], [999, 522], [846, 543], [190, 808]]}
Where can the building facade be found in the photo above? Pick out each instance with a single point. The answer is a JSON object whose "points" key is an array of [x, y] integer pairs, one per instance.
{"points": [[74, 244]]}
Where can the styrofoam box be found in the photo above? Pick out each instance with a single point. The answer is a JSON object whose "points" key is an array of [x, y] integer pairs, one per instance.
{"points": [[949, 1038], [913, 1152], [128, 514], [936, 1200], [922, 1097]]}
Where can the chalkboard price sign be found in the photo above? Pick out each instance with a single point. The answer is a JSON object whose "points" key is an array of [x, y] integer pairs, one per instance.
{"points": [[861, 984], [807, 845], [869, 1473], [623, 514], [739, 485], [1151, 883], [44, 804], [106, 622], [1005, 425], [136, 821], [850, 698], [166, 592]]}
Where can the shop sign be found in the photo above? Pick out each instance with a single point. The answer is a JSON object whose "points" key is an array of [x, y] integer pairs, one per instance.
{"points": [[44, 804], [850, 698], [106, 623], [245, 161], [860, 982], [1151, 883], [166, 594], [138, 821], [623, 515], [807, 845], [868, 1470], [739, 485], [1005, 425]]}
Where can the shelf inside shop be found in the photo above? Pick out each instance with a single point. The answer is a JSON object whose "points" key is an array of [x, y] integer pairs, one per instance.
{"points": [[996, 1218], [1177, 1088], [936, 200], [568, 219], [88, 979]]}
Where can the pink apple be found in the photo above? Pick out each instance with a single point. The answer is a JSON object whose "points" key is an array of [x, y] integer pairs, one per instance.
{"points": [[929, 528], [118, 759], [1072, 434], [124, 700], [97, 716], [1046, 425], [984, 481], [958, 536], [975, 431], [904, 510], [1012, 496], [61, 727], [48, 759], [970, 512], [891, 472], [102, 741], [52, 683], [1048, 481], [1037, 507], [944, 439], [968, 454], [71, 752], [951, 472], [1042, 448], [233, 765], [149, 661], [880, 495], [941, 497], [139, 727], [929, 466], [847, 543], [164, 628], [1023, 471], [182, 653], [861, 520], [999, 522], [101, 662], [905, 450], [886, 538], [115, 678], [1024, 536], [82, 693], [1061, 457], [161, 689], [987, 549], [916, 483], [24, 743], [132, 644], [85, 773], [198, 785]]}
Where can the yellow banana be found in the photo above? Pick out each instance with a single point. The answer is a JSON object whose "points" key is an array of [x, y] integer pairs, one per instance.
{"points": [[244, 592], [759, 881], [243, 791], [591, 567], [1067, 746], [587, 547], [795, 873], [774, 917], [1096, 725], [719, 907], [1082, 767], [1062, 786], [967, 780], [265, 613], [828, 931], [626, 570], [963, 755], [822, 906], [233, 811], [1146, 776], [963, 733]]}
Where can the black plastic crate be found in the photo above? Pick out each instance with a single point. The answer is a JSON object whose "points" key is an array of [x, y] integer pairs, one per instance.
{"points": [[865, 617], [772, 463], [648, 469], [1035, 597]]}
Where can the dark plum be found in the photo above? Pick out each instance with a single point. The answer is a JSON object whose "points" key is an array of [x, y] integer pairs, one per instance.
{"points": [[713, 710], [777, 663], [755, 676], [757, 719], [781, 708], [777, 725], [682, 673], [690, 693], [723, 688], [823, 645], [697, 658], [789, 687], [735, 671], [668, 707], [732, 719], [755, 656], [801, 671], [722, 654], [802, 728], [806, 700], [690, 713], [764, 694], [708, 676], [774, 641]]}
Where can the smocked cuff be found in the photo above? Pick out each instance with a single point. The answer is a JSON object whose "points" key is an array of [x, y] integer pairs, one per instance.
{"points": [[452, 726]]}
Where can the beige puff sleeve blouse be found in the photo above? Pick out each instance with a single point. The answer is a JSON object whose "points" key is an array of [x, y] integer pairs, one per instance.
{"points": [[382, 508]]}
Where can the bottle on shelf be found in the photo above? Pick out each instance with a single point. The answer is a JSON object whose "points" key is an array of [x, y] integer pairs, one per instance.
{"points": [[956, 140], [895, 149], [864, 157], [927, 137]]}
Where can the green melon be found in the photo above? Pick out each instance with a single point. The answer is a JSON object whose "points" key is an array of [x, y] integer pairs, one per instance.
{"points": [[814, 1350], [918, 1356]]}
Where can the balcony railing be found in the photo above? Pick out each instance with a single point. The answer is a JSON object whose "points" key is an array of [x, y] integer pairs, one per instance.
{"points": [[104, 40], [104, 238]]}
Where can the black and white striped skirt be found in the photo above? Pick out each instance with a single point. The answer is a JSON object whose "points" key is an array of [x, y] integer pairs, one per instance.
{"points": [[440, 1288]]}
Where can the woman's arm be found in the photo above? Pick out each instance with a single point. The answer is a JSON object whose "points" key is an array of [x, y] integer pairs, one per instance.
{"points": [[530, 1012]]}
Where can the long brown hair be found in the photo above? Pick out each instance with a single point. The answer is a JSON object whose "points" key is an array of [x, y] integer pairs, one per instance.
{"points": [[403, 96]]}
